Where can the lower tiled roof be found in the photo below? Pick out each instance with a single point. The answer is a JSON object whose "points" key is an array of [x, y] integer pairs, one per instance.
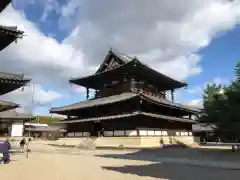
{"points": [[4, 105], [14, 115], [137, 113], [122, 97], [95, 102], [168, 103]]}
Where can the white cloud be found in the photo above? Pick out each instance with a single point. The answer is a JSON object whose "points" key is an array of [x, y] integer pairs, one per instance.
{"points": [[197, 103], [200, 88], [32, 96], [164, 36], [83, 91]]}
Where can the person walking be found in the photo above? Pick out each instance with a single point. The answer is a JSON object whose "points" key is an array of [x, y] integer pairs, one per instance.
{"points": [[22, 144], [6, 151]]}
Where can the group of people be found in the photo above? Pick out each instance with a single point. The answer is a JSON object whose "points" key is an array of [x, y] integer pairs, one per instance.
{"points": [[5, 148]]}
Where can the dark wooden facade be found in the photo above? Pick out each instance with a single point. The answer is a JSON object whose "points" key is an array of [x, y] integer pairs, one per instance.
{"points": [[8, 34], [128, 95]]}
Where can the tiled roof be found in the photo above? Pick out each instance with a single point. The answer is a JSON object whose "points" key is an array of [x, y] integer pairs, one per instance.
{"points": [[13, 76], [129, 64], [122, 97], [10, 82], [13, 114], [127, 59], [169, 103], [157, 116], [121, 56], [95, 102], [11, 30], [4, 105]]}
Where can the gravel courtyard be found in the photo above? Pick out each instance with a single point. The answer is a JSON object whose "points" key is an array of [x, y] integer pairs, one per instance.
{"points": [[66, 164]]}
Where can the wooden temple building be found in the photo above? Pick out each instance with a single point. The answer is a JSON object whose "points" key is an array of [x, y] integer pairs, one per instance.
{"points": [[8, 34], [8, 115], [130, 100], [10, 81]]}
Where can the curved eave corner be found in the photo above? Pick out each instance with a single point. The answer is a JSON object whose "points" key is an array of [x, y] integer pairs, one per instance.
{"points": [[4, 4], [177, 82]]}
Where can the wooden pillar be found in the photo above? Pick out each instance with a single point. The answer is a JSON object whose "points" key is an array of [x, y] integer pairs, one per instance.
{"points": [[96, 94], [87, 95], [172, 95], [133, 83]]}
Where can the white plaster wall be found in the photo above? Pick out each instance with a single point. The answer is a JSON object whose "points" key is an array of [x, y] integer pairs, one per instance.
{"points": [[17, 130], [131, 132]]}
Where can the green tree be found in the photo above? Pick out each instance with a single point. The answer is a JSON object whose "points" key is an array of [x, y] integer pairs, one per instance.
{"points": [[222, 105]]}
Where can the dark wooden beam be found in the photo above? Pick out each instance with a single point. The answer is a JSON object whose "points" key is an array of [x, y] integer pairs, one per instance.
{"points": [[87, 95], [172, 95]]}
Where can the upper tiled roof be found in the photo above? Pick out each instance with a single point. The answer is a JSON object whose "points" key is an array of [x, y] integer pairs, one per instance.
{"points": [[131, 66]]}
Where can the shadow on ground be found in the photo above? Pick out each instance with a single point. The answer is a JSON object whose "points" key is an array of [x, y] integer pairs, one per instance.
{"points": [[185, 153], [177, 172]]}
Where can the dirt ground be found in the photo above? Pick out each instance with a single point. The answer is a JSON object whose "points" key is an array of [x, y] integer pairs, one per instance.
{"points": [[50, 163]]}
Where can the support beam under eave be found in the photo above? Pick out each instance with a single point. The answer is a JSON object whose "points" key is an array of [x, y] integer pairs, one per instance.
{"points": [[172, 95], [87, 95]]}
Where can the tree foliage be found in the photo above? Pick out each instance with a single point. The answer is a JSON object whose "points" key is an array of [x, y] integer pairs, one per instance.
{"points": [[222, 105], [46, 119]]}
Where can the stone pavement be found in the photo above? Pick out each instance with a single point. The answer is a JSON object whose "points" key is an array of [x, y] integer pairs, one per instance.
{"points": [[185, 156]]}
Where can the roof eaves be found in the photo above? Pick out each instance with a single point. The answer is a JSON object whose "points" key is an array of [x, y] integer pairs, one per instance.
{"points": [[136, 113], [156, 72], [13, 76], [95, 102], [108, 70], [12, 30], [169, 103]]}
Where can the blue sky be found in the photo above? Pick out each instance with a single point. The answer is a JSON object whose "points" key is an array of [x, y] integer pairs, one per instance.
{"points": [[219, 59], [70, 38]]}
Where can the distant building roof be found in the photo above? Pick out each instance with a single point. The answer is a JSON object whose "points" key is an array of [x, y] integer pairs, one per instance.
{"points": [[203, 127], [13, 115]]}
